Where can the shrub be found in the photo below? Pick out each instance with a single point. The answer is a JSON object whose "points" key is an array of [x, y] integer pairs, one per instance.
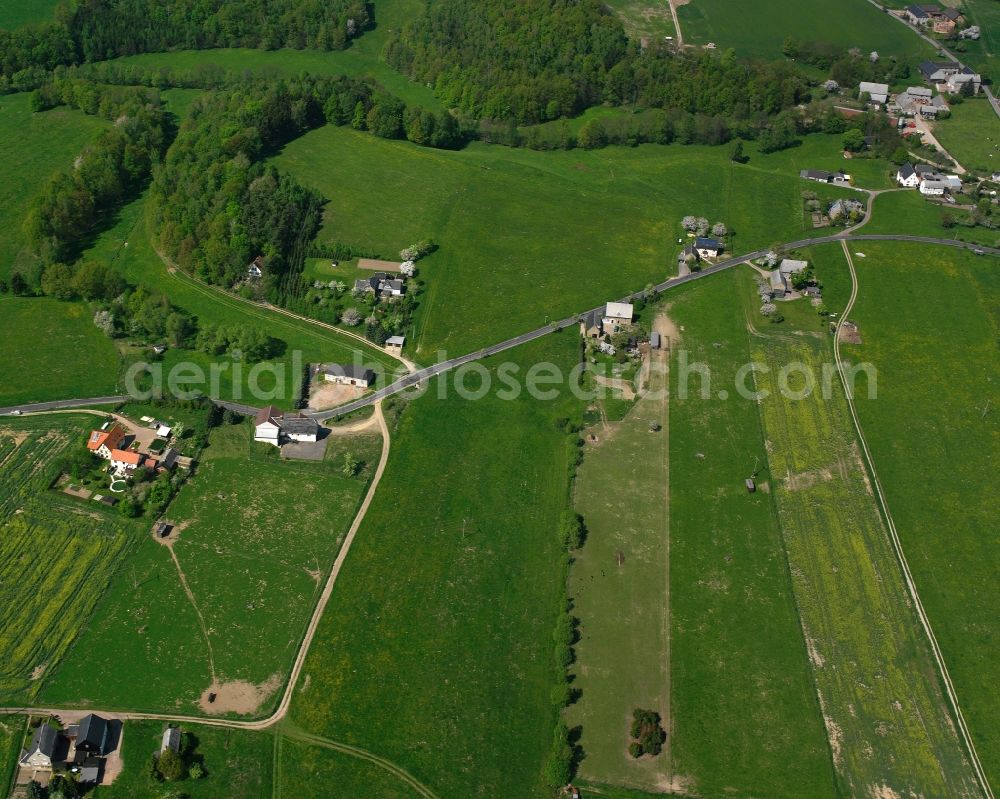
{"points": [[170, 766]]}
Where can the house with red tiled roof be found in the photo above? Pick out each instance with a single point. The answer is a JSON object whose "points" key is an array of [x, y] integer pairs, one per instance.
{"points": [[124, 461], [103, 442]]}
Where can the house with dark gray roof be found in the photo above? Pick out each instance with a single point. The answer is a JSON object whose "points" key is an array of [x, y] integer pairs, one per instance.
{"points": [[47, 747], [92, 735], [591, 324], [707, 248], [297, 427], [347, 374]]}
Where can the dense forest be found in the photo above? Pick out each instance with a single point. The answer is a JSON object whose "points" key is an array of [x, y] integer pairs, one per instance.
{"points": [[94, 30], [538, 60]]}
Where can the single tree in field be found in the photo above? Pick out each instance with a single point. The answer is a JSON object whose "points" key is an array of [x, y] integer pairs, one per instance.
{"points": [[719, 229], [352, 317]]}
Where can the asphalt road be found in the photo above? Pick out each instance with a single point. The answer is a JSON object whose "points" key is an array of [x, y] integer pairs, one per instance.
{"points": [[417, 377], [432, 371]]}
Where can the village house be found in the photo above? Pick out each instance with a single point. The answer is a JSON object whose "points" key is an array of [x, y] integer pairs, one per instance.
{"points": [[267, 426], [347, 375], [949, 76], [932, 188], [617, 315], [822, 176], [47, 746], [844, 208], [590, 324], [103, 442], [381, 285], [171, 740], [395, 343], [919, 100], [707, 248], [125, 461], [255, 270], [907, 176], [272, 426], [877, 92], [92, 735]]}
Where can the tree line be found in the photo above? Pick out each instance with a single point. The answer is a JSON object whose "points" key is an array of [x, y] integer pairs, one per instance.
{"points": [[96, 30], [110, 169]]}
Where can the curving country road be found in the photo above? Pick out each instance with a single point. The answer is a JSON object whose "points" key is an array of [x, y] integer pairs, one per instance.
{"points": [[452, 363], [414, 378]]}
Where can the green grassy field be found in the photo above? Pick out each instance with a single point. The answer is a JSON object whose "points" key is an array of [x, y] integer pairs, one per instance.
{"points": [[758, 29], [72, 359], [127, 246], [937, 458], [33, 147], [57, 555], [258, 537], [557, 243], [889, 726], [909, 212], [739, 667], [308, 771], [11, 734], [363, 58], [14, 13], [437, 653], [972, 135], [623, 655], [237, 763], [645, 19]]}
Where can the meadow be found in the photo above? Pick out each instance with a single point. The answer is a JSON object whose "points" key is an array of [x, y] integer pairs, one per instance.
{"points": [[308, 771], [909, 212], [739, 667], [530, 236], [126, 245], [237, 763], [73, 359], [619, 585], [57, 555], [256, 538], [758, 29], [33, 147], [14, 13], [362, 59], [436, 653], [972, 135], [934, 436], [648, 20], [888, 723]]}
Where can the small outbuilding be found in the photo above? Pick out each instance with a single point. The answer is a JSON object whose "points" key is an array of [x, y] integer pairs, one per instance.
{"points": [[654, 340], [171, 740], [751, 485]]}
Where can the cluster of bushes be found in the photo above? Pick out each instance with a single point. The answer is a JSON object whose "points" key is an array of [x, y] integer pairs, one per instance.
{"points": [[647, 733], [96, 31], [145, 317], [250, 342], [105, 173]]}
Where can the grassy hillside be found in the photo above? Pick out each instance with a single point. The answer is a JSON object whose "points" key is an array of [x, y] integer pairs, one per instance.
{"points": [[437, 651], [33, 147], [909, 212], [937, 460], [739, 668], [972, 135], [362, 58], [527, 236], [14, 13], [887, 720], [256, 539], [758, 29], [72, 359]]}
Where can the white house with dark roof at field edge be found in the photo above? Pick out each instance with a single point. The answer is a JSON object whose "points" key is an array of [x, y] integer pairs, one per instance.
{"points": [[272, 426], [347, 374]]}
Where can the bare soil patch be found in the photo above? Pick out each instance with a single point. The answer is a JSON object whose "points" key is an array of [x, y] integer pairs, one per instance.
{"points": [[849, 333], [804, 480], [238, 696], [324, 395], [376, 265]]}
